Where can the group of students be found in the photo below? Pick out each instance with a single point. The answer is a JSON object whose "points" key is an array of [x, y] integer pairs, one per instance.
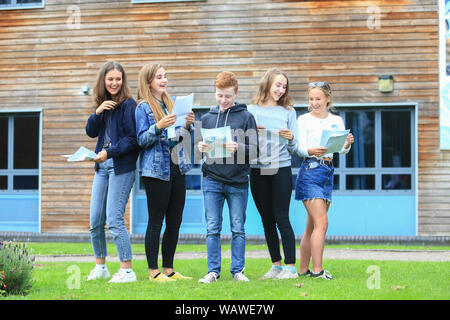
{"points": [[259, 156]]}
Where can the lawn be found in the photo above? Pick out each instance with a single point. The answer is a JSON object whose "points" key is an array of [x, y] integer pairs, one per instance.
{"points": [[58, 248], [353, 279]]}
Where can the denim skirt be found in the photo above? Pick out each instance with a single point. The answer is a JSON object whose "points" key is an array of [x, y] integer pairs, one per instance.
{"points": [[314, 181]]}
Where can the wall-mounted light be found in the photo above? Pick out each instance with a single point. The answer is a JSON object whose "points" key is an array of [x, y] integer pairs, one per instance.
{"points": [[386, 83], [85, 90]]}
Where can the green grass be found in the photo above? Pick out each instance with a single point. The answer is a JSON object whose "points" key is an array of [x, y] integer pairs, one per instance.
{"points": [[55, 248], [398, 280]]}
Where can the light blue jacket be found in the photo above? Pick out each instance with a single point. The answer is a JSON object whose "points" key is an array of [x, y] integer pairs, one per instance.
{"points": [[155, 154]]}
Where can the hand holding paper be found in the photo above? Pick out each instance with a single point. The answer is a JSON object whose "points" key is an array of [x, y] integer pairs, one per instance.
{"points": [[219, 141], [334, 140], [275, 128], [181, 108]]}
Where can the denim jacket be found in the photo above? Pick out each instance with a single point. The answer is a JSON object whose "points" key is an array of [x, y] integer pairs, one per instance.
{"points": [[155, 153]]}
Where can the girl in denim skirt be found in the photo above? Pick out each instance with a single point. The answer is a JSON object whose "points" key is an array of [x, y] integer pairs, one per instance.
{"points": [[315, 179], [113, 123], [164, 163]]}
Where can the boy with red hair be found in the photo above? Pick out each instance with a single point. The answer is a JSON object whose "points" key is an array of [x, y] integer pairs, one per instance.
{"points": [[227, 178]]}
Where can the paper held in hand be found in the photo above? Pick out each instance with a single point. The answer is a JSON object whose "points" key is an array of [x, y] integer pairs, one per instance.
{"points": [[334, 140], [216, 138], [182, 106], [272, 127], [82, 154]]}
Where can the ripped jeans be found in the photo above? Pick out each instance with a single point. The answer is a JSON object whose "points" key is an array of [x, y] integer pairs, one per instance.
{"points": [[314, 181], [109, 198]]}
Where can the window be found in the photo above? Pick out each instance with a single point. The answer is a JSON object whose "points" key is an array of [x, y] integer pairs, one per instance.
{"points": [[21, 4], [380, 160], [19, 152], [382, 157]]}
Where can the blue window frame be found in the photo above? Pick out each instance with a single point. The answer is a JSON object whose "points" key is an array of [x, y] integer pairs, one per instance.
{"points": [[21, 4], [379, 171], [19, 171], [381, 159], [19, 153]]}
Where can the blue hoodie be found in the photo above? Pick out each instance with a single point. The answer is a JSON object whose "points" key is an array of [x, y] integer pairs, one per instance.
{"points": [[244, 131]]}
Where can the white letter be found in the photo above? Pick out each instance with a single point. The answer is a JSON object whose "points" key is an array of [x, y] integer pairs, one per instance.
{"points": [[73, 282], [74, 20], [373, 282], [374, 20]]}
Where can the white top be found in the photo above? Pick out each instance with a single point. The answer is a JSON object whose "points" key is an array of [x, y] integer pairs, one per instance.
{"points": [[310, 131]]}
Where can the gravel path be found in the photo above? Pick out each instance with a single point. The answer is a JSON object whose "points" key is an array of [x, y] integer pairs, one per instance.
{"points": [[346, 254]]}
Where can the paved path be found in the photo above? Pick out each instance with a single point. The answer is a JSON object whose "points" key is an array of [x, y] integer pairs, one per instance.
{"points": [[347, 254]]}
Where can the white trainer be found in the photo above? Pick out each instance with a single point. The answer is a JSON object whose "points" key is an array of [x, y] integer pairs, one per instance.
{"points": [[271, 274], [286, 274], [210, 277], [98, 273], [240, 276], [123, 276]]}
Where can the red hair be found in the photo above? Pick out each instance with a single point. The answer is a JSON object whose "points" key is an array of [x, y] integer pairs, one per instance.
{"points": [[226, 79]]}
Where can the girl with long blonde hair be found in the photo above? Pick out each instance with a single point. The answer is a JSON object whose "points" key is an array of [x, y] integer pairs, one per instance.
{"points": [[164, 179]]}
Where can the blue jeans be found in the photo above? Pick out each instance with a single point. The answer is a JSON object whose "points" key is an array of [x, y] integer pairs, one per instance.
{"points": [[109, 198], [214, 195]]}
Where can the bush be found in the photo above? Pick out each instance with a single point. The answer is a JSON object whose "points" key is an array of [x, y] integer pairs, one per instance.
{"points": [[16, 266]]}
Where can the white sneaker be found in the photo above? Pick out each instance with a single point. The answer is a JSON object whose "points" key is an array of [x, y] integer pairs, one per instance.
{"points": [[271, 274], [98, 273], [240, 276], [286, 274], [122, 276], [210, 277]]}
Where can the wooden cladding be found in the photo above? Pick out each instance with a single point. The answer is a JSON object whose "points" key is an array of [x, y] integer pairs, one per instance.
{"points": [[45, 60]]}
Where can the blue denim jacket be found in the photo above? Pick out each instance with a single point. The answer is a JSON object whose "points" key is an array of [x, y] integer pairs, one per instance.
{"points": [[155, 154]]}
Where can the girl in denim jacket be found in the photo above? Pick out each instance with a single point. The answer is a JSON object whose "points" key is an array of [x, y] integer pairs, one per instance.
{"points": [[164, 163]]}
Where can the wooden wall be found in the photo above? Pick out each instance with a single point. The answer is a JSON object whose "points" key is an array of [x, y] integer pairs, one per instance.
{"points": [[44, 62]]}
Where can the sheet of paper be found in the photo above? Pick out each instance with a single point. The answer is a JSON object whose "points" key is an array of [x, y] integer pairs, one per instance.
{"points": [[182, 106], [272, 135], [216, 139], [270, 123], [334, 140], [82, 154]]}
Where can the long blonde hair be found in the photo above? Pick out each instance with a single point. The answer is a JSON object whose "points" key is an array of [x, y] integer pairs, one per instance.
{"points": [[264, 89], [146, 76], [100, 94]]}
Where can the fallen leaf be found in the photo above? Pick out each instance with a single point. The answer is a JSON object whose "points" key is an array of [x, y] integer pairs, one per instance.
{"points": [[303, 294], [398, 287], [299, 285]]}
